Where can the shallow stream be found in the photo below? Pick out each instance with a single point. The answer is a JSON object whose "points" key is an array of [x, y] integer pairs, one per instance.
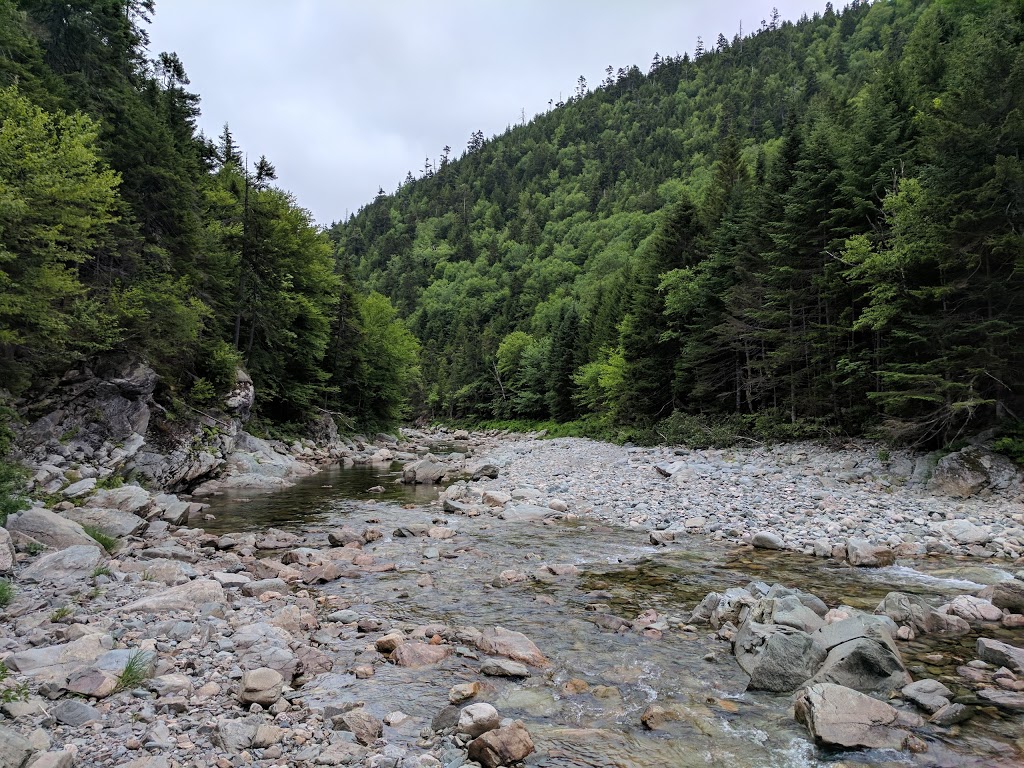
{"points": [[594, 721]]}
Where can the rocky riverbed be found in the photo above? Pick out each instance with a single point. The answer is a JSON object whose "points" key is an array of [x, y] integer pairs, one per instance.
{"points": [[565, 602]]}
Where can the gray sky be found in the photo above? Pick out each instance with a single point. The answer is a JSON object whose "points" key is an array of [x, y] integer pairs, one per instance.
{"points": [[346, 96]]}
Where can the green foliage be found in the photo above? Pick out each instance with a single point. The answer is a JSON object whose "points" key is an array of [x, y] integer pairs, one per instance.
{"points": [[814, 232], [1011, 441], [11, 693], [137, 670], [6, 592], [101, 570], [57, 209], [109, 543], [60, 614], [122, 228]]}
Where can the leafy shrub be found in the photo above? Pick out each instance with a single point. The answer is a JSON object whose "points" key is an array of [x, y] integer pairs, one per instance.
{"points": [[6, 592], [1011, 442]]}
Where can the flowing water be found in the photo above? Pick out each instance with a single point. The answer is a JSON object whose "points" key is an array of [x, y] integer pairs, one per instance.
{"points": [[594, 721]]}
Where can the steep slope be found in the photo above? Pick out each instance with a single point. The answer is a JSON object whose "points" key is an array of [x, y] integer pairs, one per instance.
{"points": [[818, 226]]}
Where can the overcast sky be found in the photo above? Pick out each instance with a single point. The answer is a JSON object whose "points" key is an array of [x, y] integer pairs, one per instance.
{"points": [[345, 96]]}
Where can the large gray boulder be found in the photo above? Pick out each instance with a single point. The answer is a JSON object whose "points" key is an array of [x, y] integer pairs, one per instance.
{"points": [[15, 749], [863, 554], [112, 522], [76, 562], [969, 471], [127, 498], [841, 717], [1000, 654], [864, 664], [182, 597], [8, 557], [776, 657], [48, 527]]}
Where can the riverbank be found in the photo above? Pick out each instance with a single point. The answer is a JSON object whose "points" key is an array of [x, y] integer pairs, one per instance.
{"points": [[528, 610], [798, 496]]}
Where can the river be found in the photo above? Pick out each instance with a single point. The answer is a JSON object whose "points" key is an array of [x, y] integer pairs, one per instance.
{"points": [[585, 709]]}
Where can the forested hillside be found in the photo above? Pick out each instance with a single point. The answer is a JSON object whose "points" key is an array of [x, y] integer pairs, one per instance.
{"points": [[122, 229], [816, 228]]}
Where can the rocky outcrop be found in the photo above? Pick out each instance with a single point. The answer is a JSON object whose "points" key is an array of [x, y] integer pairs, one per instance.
{"points": [[974, 470], [841, 717]]}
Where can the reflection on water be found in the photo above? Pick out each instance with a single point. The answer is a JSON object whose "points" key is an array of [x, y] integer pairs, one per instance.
{"points": [[313, 499], [585, 709]]}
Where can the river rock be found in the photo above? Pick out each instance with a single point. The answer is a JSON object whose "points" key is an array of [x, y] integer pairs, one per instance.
{"points": [[525, 513], [261, 686], [766, 540], [930, 695], [8, 557], [482, 468], [364, 726], [499, 641], [504, 668], [841, 717], [951, 714], [863, 554], [419, 654], [913, 611], [1008, 595], [1013, 702], [477, 719], [51, 529], [973, 609], [75, 713], [1000, 654], [777, 658], [864, 664], [502, 746], [77, 562], [180, 598], [15, 749], [112, 522]]}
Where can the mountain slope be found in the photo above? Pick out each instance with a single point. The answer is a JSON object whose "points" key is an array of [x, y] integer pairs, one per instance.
{"points": [[815, 227]]}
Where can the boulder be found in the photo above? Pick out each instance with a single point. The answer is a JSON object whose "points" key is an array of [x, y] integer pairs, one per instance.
{"points": [[930, 695], [75, 713], [51, 529], [419, 654], [504, 668], [973, 609], [502, 746], [127, 498], [1000, 654], [180, 598], [235, 736], [966, 472], [1012, 702], [1008, 595], [914, 612], [841, 717], [261, 686], [55, 663], [777, 658], [864, 664], [76, 563], [482, 468], [477, 719], [526, 513], [863, 554], [364, 726], [15, 749], [766, 540], [499, 641], [112, 522], [7, 554]]}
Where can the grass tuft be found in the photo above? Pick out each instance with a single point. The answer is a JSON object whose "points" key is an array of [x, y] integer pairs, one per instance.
{"points": [[6, 592], [109, 543], [137, 670]]}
